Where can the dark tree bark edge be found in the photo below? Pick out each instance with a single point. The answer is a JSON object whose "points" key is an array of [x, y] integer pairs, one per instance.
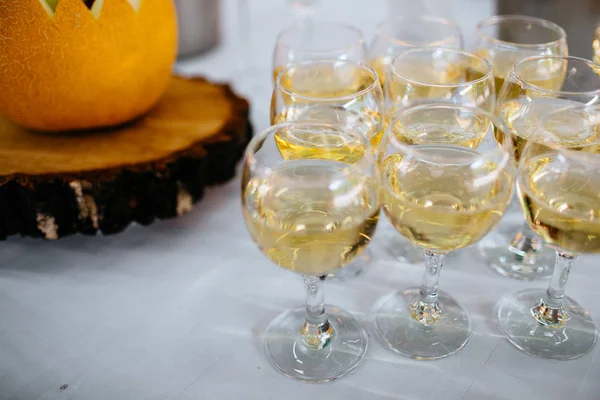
{"points": [[108, 201]]}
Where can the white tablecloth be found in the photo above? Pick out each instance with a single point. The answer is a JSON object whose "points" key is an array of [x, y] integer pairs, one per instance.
{"points": [[176, 310]]}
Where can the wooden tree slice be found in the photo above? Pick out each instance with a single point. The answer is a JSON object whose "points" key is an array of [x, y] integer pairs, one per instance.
{"points": [[54, 185]]}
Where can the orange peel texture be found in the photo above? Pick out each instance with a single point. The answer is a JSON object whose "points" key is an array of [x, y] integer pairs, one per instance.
{"points": [[64, 66]]}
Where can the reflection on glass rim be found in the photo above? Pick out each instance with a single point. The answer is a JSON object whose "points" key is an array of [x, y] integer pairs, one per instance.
{"points": [[497, 19], [468, 56], [358, 66], [499, 126], [457, 35], [526, 82], [259, 140]]}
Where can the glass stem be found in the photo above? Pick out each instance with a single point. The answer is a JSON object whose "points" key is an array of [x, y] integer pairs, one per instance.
{"points": [[316, 332], [550, 311], [427, 310]]}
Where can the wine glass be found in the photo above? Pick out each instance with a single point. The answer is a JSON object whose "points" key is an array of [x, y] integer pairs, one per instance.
{"points": [[559, 192], [333, 91], [442, 192], [434, 74], [427, 74], [534, 87], [329, 89], [506, 39], [311, 214], [403, 32], [318, 41]]}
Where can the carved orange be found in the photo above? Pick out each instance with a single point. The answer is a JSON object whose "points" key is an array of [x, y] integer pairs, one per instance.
{"points": [[64, 66]]}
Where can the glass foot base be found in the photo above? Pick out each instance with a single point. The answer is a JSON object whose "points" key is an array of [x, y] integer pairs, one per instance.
{"points": [[575, 338], [403, 334], [513, 263], [287, 353]]}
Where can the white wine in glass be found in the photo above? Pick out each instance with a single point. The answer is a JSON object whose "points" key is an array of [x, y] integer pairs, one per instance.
{"points": [[400, 33], [566, 215], [442, 211], [506, 39], [337, 91], [534, 87], [566, 128], [311, 216], [322, 144], [340, 92], [427, 128], [558, 189], [301, 227], [426, 75], [443, 192]]}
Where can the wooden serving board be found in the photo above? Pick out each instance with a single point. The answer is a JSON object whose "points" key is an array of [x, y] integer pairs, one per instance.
{"points": [[53, 185]]}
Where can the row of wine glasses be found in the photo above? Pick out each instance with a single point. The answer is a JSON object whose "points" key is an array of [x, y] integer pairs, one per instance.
{"points": [[314, 211], [419, 59], [551, 106], [437, 150], [312, 214]]}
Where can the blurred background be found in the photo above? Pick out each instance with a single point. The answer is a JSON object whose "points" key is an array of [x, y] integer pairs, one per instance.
{"points": [[579, 18], [233, 40], [206, 23]]}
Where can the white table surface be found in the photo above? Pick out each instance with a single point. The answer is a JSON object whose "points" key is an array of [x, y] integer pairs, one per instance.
{"points": [[176, 310]]}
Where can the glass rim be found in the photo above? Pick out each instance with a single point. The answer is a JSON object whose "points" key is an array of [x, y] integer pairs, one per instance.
{"points": [[358, 65], [529, 85], [506, 148], [485, 61], [427, 18], [556, 146], [258, 140], [497, 19], [338, 25]]}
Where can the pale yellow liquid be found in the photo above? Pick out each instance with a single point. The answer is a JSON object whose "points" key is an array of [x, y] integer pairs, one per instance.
{"points": [[422, 82], [322, 93], [325, 81], [452, 74], [413, 85], [312, 217], [548, 74], [561, 206], [441, 127], [539, 118], [516, 89], [500, 65], [499, 83], [294, 144], [444, 207]]}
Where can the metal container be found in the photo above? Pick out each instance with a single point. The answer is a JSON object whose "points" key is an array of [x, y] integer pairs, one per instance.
{"points": [[199, 26]]}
